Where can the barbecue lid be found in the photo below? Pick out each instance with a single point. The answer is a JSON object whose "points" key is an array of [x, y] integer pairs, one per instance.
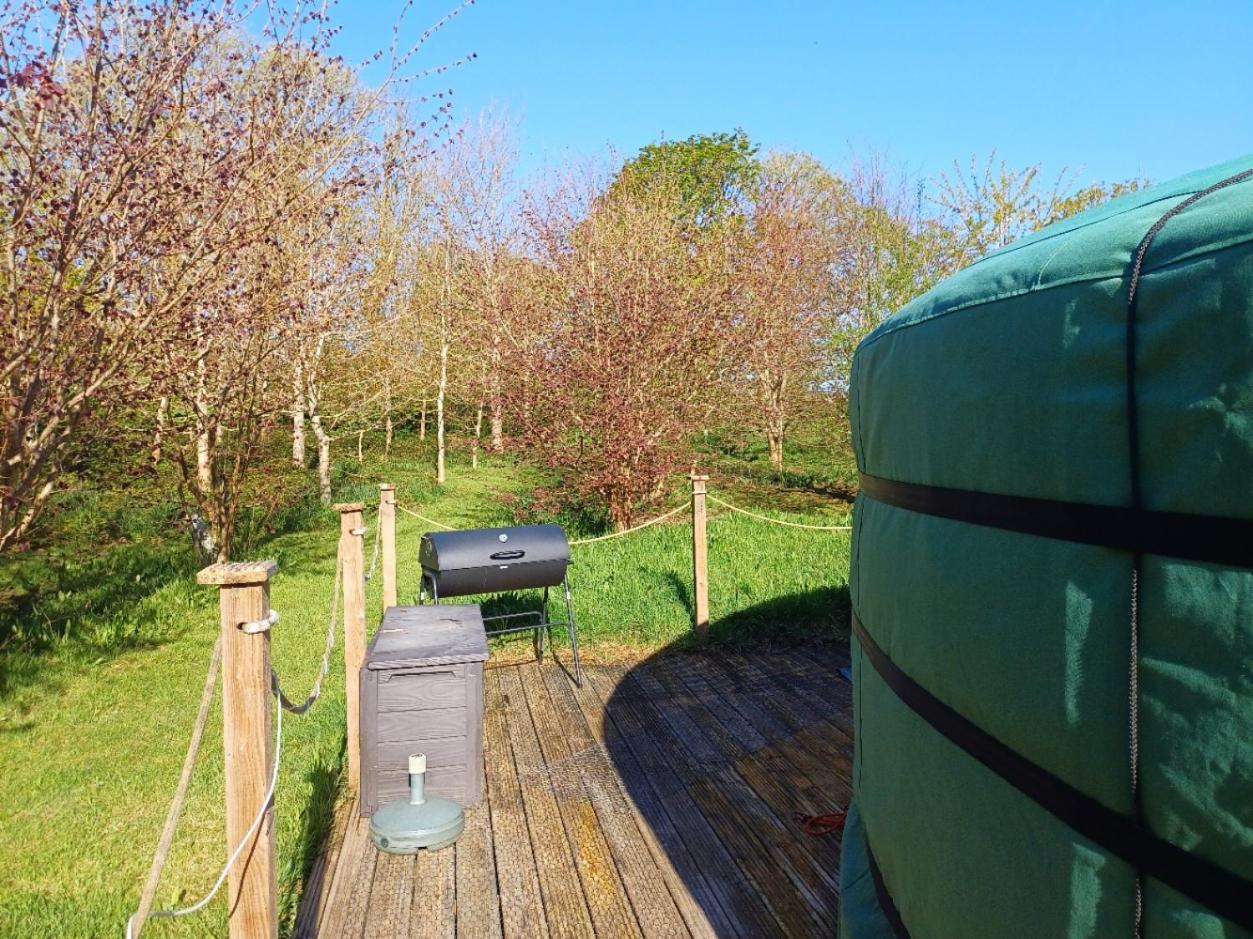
{"points": [[487, 547], [443, 634]]}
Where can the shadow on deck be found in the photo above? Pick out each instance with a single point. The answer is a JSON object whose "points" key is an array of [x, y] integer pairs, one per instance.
{"points": [[657, 800]]}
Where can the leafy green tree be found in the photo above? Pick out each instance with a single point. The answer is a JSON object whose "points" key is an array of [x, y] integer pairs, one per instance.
{"points": [[711, 175], [990, 206]]}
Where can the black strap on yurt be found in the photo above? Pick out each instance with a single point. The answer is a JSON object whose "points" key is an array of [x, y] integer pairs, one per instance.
{"points": [[1214, 887], [1210, 538], [886, 903]]}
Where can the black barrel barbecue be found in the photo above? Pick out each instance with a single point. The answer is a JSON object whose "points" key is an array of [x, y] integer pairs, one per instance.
{"points": [[494, 560]]}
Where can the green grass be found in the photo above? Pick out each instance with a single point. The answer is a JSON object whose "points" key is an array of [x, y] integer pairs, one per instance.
{"points": [[104, 658]]}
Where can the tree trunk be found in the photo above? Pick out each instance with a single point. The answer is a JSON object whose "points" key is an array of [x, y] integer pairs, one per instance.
{"points": [[204, 459], [498, 427], [478, 435], [774, 439], [360, 452], [776, 420], [422, 422], [387, 419], [158, 435], [497, 406], [324, 457], [298, 419], [440, 394]]}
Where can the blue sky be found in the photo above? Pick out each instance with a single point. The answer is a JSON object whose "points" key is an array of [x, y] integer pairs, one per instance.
{"points": [[1113, 90]]}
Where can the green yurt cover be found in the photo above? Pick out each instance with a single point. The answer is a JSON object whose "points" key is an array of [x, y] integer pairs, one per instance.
{"points": [[1052, 585]]}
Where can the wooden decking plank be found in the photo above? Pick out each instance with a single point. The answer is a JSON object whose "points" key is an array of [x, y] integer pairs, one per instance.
{"points": [[316, 890], [815, 749], [433, 910], [788, 778], [820, 684], [815, 726], [654, 801], [564, 904], [666, 770], [521, 902], [602, 886], [391, 897], [761, 841], [355, 903], [827, 771], [697, 902], [649, 895], [346, 870], [783, 782], [478, 905], [778, 787]]}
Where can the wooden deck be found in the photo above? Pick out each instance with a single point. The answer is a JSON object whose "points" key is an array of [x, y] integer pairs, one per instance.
{"points": [[657, 800]]}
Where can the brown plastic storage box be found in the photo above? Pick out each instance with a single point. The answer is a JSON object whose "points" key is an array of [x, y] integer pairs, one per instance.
{"points": [[422, 692]]}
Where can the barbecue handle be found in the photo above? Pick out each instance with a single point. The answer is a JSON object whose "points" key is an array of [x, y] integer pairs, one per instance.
{"points": [[507, 555]]}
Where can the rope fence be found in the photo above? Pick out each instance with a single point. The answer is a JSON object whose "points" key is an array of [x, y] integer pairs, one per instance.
{"points": [[652, 521], [316, 691], [348, 596], [777, 521], [140, 915], [632, 530], [144, 912], [429, 521]]}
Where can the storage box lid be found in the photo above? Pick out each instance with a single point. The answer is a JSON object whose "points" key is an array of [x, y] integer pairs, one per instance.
{"points": [[436, 634]]}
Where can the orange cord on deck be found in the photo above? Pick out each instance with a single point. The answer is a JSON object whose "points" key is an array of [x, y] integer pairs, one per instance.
{"points": [[824, 824]]}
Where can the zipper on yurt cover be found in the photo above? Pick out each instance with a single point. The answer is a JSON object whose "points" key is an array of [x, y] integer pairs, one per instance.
{"points": [[1137, 506]]}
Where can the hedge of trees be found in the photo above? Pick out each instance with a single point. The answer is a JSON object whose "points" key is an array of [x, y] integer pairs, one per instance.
{"points": [[216, 234]]}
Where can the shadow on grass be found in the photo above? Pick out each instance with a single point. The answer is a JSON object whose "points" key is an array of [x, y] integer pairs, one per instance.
{"points": [[95, 607], [301, 905], [815, 616], [722, 746]]}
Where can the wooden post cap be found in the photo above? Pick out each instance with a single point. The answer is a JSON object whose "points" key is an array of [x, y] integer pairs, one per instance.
{"points": [[237, 572], [349, 507], [698, 477], [387, 487]]}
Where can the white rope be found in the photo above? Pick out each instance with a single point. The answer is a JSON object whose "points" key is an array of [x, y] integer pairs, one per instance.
{"points": [[326, 654], [260, 625], [777, 521], [239, 849], [429, 521], [619, 534], [180, 793]]}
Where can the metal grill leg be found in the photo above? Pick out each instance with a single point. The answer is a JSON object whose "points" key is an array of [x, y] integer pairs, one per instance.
{"points": [[571, 632], [541, 630]]}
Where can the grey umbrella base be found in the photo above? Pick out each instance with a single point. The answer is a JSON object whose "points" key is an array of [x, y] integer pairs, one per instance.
{"points": [[408, 827]]}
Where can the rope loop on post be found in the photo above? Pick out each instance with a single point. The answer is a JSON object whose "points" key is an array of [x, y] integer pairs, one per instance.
{"points": [[260, 625]]}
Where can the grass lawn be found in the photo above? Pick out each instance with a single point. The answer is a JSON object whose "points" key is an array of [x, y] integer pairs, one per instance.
{"points": [[94, 721]]}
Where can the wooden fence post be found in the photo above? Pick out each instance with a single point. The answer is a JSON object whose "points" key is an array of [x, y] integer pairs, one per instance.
{"points": [[244, 597], [700, 558], [387, 532], [353, 554]]}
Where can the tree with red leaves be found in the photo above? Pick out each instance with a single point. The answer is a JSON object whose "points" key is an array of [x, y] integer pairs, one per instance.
{"points": [[632, 327]]}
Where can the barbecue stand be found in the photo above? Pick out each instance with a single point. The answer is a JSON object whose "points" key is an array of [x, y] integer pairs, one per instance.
{"points": [[496, 560]]}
